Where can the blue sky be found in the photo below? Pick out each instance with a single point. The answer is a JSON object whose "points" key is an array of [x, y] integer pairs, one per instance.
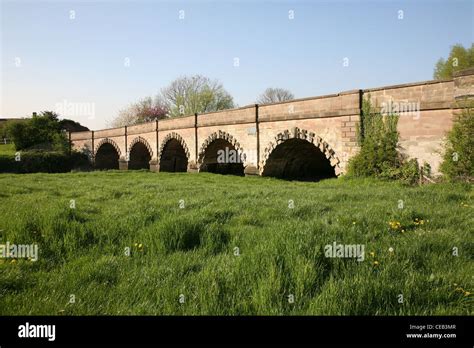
{"points": [[81, 60]]}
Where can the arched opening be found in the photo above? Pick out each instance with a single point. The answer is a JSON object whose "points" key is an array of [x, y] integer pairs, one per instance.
{"points": [[297, 159], [139, 157], [173, 157], [221, 157], [107, 157]]}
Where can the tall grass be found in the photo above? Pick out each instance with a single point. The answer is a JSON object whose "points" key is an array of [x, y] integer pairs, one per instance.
{"points": [[232, 246]]}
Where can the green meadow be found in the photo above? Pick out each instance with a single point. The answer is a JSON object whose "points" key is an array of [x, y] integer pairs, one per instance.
{"points": [[137, 242], [7, 149]]}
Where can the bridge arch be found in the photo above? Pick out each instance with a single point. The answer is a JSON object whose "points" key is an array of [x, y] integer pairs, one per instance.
{"points": [[174, 154], [107, 154], [299, 154], [140, 154], [221, 153]]}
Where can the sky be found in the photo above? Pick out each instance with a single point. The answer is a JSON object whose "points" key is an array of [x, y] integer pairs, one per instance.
{"points": [[89, 59]]}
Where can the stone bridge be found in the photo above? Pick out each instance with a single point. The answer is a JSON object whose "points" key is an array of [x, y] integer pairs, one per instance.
{"points": [[308, 138]]}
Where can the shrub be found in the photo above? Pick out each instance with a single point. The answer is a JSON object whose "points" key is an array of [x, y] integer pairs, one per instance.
{"points": [[407, 172], [41, 131], [79, 161], [377, 136], [42, 161], [458, 161]]}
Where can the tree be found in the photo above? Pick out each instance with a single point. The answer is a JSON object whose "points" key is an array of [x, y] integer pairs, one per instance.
{"points": [[145, 110], [72, 126], [4, 126], [183, 96], [275, 95], [459, 58], [195, 94], [42, 131]]}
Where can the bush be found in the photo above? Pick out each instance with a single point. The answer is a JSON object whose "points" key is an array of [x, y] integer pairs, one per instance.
{"points": [[378, 138], [407, 172], [41, 131], [378, 156], [458, 161], [79, 161], [41, 161]]}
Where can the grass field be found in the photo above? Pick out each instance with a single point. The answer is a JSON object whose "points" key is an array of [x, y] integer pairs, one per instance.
{"points": [[210, 244], [7, 149]]}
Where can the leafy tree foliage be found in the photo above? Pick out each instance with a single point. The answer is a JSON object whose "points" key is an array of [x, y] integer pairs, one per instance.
{"points": [[72, 126], [145, 110], [195, 94], [183, 96], [42, 131], [459, 58]]}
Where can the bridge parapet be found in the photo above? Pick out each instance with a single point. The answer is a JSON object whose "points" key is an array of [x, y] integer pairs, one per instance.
{"points": [[142, 128], [241, 115], [176, 123]]}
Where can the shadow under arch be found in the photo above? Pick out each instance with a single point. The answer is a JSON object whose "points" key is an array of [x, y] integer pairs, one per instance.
{"points": [[174, 154], [107, 155], [299, 155], [221, 153], [140, 154]]}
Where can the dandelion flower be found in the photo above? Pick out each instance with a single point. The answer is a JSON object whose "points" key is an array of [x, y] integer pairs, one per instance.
{"points": [[376, 263], [390, 249]]}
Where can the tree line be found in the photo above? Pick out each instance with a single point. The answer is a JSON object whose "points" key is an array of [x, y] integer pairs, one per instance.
{"points": [[188, 95]]}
